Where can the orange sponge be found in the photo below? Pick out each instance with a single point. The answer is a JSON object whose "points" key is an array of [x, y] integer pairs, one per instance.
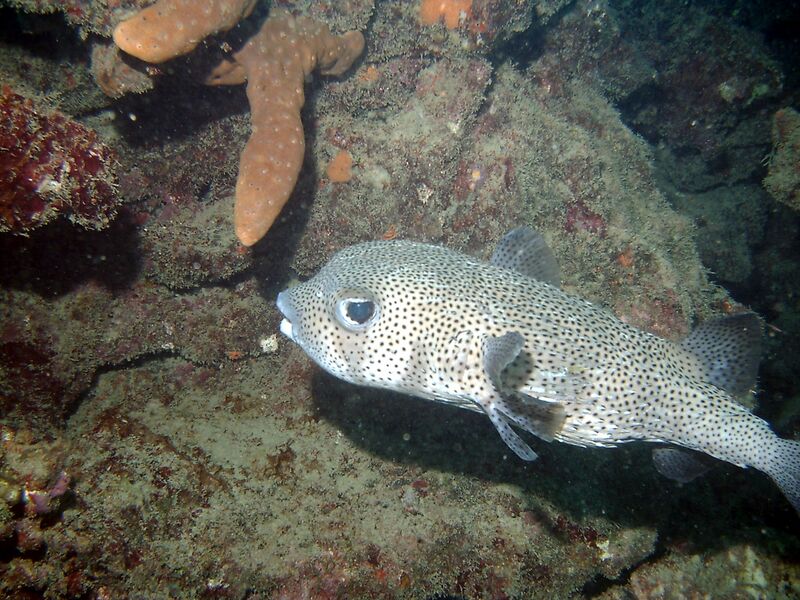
{"points": [[170, 28], [452, 12], [339, 169]]}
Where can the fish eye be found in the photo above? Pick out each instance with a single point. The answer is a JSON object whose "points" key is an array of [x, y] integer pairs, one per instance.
{"points": [[356, 313]]}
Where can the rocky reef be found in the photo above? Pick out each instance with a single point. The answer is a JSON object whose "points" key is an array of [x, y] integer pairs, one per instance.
{"points": [[783, 179], [157, 437]]}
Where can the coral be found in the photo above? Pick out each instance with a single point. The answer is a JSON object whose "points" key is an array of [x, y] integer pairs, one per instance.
{"points": [[170, 28], [299, 482], [783, 179], [51, 165]]}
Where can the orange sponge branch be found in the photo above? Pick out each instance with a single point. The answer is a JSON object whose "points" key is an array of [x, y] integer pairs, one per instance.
{"points": [[275, 64], [170, 28]]}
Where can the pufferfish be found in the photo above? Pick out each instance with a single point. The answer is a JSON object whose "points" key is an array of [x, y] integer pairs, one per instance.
{"points": [[502, 338]]}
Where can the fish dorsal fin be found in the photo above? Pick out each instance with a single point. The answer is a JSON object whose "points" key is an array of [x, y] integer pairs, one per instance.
{"points": [[525, 251], [678, 464], [539, 417], [729, 349]]}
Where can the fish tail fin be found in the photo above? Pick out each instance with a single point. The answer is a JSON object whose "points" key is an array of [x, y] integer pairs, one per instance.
{"points": [[726, 430], [784, 469]]}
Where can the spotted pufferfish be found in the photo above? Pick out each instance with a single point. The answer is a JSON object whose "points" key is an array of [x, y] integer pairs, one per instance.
{"points": [[502, 338]]}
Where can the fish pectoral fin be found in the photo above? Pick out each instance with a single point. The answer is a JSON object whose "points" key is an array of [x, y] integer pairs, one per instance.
{"points": [[509, 436], [679, 465], [499, 352], [525, 251], [729, 350], [541, 418], [538, 417]]}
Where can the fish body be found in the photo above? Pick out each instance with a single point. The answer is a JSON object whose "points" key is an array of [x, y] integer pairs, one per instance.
{"points": [[501, 338]]}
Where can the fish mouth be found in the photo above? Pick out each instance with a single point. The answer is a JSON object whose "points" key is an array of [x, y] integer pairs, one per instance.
{"points": [[284, 305]]}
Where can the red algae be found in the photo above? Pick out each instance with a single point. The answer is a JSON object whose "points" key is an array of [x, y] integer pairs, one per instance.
{"points": [[49, 165]]}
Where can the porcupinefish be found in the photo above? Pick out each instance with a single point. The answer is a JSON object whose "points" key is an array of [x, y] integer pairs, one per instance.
{"points": [[503, 339]]}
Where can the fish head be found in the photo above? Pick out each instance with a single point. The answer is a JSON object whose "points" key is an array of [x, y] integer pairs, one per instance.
{"points": [[354, 318]]}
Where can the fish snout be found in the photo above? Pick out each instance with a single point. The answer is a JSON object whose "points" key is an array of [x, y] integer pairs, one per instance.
{"points": [[287, 326]]}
